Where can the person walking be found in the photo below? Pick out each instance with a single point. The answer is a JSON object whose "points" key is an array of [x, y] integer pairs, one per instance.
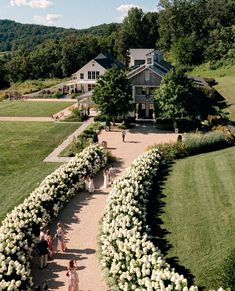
{"points": [[60, 237], [73, 281], [112, 173], [106, 178], [123, 135], [49, 241], [43, 251], [91, 186]]}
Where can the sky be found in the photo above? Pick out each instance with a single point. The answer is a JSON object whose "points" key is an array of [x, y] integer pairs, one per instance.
{"points": [[71, 13]]}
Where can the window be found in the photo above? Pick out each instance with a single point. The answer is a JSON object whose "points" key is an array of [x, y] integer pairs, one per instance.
{"points": [[97, 73], [91, 87], [143, 106], [151, 106], [81, 76], [93, 75]]}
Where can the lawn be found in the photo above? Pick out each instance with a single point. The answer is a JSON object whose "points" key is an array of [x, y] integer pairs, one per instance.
{"points": [[32, 108], [226, 83], [23, 146], [199, 213]]}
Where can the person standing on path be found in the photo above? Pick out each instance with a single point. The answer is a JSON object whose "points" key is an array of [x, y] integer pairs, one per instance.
{"points": [[123, 135], [72, 276], [106, 178], [60, 237], [112, 173], [43, 251], [91, 186]]}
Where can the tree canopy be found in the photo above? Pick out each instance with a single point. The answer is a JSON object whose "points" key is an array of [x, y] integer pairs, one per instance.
{"points": [[113, 94], [179, 97]]}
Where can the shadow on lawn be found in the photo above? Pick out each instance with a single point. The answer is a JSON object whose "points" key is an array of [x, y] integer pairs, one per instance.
{"points": [[158, 232]]}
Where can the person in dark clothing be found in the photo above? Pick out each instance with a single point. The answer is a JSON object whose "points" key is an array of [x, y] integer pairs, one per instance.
{"points": [[43, 251]]}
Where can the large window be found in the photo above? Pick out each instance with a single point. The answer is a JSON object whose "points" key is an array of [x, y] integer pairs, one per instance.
{"points": [[93, 75]]}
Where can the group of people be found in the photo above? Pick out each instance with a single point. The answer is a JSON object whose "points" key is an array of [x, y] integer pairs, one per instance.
{"points": [[45, 251], [45, 243], [109, 176]]}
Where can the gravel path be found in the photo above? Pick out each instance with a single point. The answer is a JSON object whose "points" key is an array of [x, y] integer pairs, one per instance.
{"points": [[82, 215]]}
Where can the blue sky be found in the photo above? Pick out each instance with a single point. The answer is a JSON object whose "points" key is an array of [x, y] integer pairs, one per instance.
{"points": [[70, 13]]}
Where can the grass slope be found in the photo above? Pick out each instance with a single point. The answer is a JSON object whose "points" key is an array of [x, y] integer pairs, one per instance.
{"points": [[200, 213], [226, 83], [23, 146], [32, 108]]}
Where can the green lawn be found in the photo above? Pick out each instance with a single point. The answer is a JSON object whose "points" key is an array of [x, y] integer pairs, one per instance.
{"points": [[226, 83], [200, 213], [32, 108], [23, 146]]}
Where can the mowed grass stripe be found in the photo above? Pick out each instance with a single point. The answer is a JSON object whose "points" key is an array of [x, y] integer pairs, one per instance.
{"points": [[200, 213], [23, 146], [32, 108]]}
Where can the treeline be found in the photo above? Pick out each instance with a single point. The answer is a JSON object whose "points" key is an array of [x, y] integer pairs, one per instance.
{"points": [[14, 35], [189, 31]]}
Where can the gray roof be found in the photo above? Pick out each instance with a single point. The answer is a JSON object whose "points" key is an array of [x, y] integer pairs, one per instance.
{"points": [[107, 61]]}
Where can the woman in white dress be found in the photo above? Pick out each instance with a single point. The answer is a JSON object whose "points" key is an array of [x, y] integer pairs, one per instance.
{"points": [[106, 178], [91, 187]]}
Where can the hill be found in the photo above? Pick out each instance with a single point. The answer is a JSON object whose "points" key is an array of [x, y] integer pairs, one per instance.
{"points": [[14, 35]]}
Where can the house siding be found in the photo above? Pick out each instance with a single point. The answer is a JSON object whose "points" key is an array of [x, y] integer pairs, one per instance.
{"points": [[154, 80]]}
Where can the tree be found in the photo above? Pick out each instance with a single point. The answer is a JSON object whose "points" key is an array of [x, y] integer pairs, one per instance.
{"points": [[178, 97], [112, 93]]}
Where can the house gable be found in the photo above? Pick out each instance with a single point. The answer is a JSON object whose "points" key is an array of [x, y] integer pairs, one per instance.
{"points": [[92, 66], [145, 77]]}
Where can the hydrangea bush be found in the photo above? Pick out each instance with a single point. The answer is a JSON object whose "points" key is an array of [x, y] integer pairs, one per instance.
{"points": [[20, 229], [129, 259]]}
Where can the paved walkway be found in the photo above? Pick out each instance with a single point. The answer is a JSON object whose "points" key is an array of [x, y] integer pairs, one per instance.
{"points": [[54, 156], [37, 119], [82, 215]]}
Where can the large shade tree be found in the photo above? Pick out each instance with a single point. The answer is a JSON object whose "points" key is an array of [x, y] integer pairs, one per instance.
{"points": [[179, 97], [113, 94]]}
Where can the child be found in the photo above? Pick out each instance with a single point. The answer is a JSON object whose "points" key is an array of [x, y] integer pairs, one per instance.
{"points": [[106, 178], [73, 276], [60, 237]]}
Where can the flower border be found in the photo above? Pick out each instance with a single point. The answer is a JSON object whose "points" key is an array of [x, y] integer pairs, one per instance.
{"points": [[20, 229], [129, 259]]}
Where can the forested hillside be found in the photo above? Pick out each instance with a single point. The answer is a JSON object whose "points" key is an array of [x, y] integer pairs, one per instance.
{"points": [[189, 32], [14, 35]]}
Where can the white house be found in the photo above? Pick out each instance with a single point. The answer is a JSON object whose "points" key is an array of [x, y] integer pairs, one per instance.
{"points": [[84, 80]]}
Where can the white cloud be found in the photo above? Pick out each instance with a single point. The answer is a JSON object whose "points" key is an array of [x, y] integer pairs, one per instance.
{"points": [[32, 3], [123, 10], [49, 19]]}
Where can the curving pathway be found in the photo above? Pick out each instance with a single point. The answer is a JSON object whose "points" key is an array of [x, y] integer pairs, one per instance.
{"points": [[82, 215]]}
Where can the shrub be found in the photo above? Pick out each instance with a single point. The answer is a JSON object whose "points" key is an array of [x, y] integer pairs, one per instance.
{"points": [[129, 258], [20, 229], [202, 143]]}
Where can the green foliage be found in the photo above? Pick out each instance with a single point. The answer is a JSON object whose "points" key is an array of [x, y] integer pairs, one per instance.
{"points": [[112, 93], [175, 96], [227, 272], [179, 97], [193, 144]]}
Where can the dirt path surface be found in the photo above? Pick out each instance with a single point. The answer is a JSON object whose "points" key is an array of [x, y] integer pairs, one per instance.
{"points": [[51, 100], [82, 215]]}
